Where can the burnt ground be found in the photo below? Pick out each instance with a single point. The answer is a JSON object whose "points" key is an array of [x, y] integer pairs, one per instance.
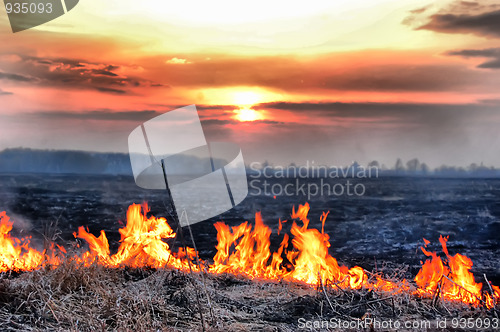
{"points": [[73, 298]]}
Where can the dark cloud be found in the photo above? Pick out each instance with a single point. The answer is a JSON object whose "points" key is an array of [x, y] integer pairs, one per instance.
{"points": [[139, 116], [493, 64], [361, 110], [5, 93], [111, 90], [430, 114], [75, 74], [468, 4], [490, 101], [220, 122], [401, 78], [366, 108], [486, 24], [213, 107], [16, 77], [217, 122], [103, 72], [104, 115], [485, 53], [493, 53], [419, 10], [142, 116]]}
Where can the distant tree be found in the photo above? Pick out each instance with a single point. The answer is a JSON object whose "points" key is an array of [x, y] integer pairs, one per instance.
{"points": [[399, 167], [424, 168], [413, 165], [473, 167]]}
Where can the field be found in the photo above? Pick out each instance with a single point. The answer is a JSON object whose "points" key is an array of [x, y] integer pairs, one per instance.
{"points": [[380, 231]]}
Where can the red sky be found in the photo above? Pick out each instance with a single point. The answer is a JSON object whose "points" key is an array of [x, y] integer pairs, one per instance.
{"points": [[329, 82]]}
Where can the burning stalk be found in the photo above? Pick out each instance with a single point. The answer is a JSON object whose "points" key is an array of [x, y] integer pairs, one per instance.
{"points": [[492, 296]]}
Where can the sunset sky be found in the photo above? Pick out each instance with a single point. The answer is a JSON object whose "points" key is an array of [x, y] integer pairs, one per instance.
{"points": [[289, 81]]}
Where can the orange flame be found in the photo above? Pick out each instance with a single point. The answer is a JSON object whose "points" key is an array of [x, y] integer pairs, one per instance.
{"points": [[245, 250], [141, 243], [452, 278], [16, 254]]}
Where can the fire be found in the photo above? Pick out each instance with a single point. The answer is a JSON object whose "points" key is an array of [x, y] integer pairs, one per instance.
{"points": [[245, 250], [452, 278], [141, 243], [307, 258], [16, 254]]}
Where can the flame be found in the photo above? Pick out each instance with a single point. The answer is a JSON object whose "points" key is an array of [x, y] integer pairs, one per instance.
{"points": [[308, 261], [16, 254], [245, 250], [452, 278], [141, 244]]}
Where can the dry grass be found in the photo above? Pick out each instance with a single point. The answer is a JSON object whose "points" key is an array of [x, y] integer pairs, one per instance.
{"points": [[73, 298]]}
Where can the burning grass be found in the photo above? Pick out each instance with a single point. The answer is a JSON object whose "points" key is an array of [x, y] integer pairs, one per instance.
{"points": [[143, 286]]}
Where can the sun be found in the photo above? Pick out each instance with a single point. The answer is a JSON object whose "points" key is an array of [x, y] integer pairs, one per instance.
{"points": [[244, 100], [247, 114]]}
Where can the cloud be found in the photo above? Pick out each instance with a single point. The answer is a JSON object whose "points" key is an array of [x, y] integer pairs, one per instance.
{"points": [[177, 61], [490, 101], [16, 77], [419, 10], [212, 121], [493, 53], [110, 90], [5, 93], [229, 121], [400, 77], [340, 108], [218, 122], [432, 115], [213, 107], [75, 74], [398, 71], [138, 116], [103, 115], [463, 17]]}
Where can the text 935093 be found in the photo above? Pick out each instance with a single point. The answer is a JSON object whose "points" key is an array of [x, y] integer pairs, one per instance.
{"points": [[27, 7]]}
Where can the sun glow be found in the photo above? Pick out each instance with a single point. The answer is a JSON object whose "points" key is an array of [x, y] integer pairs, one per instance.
{"points": [[245, 100], [247, 114]]}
